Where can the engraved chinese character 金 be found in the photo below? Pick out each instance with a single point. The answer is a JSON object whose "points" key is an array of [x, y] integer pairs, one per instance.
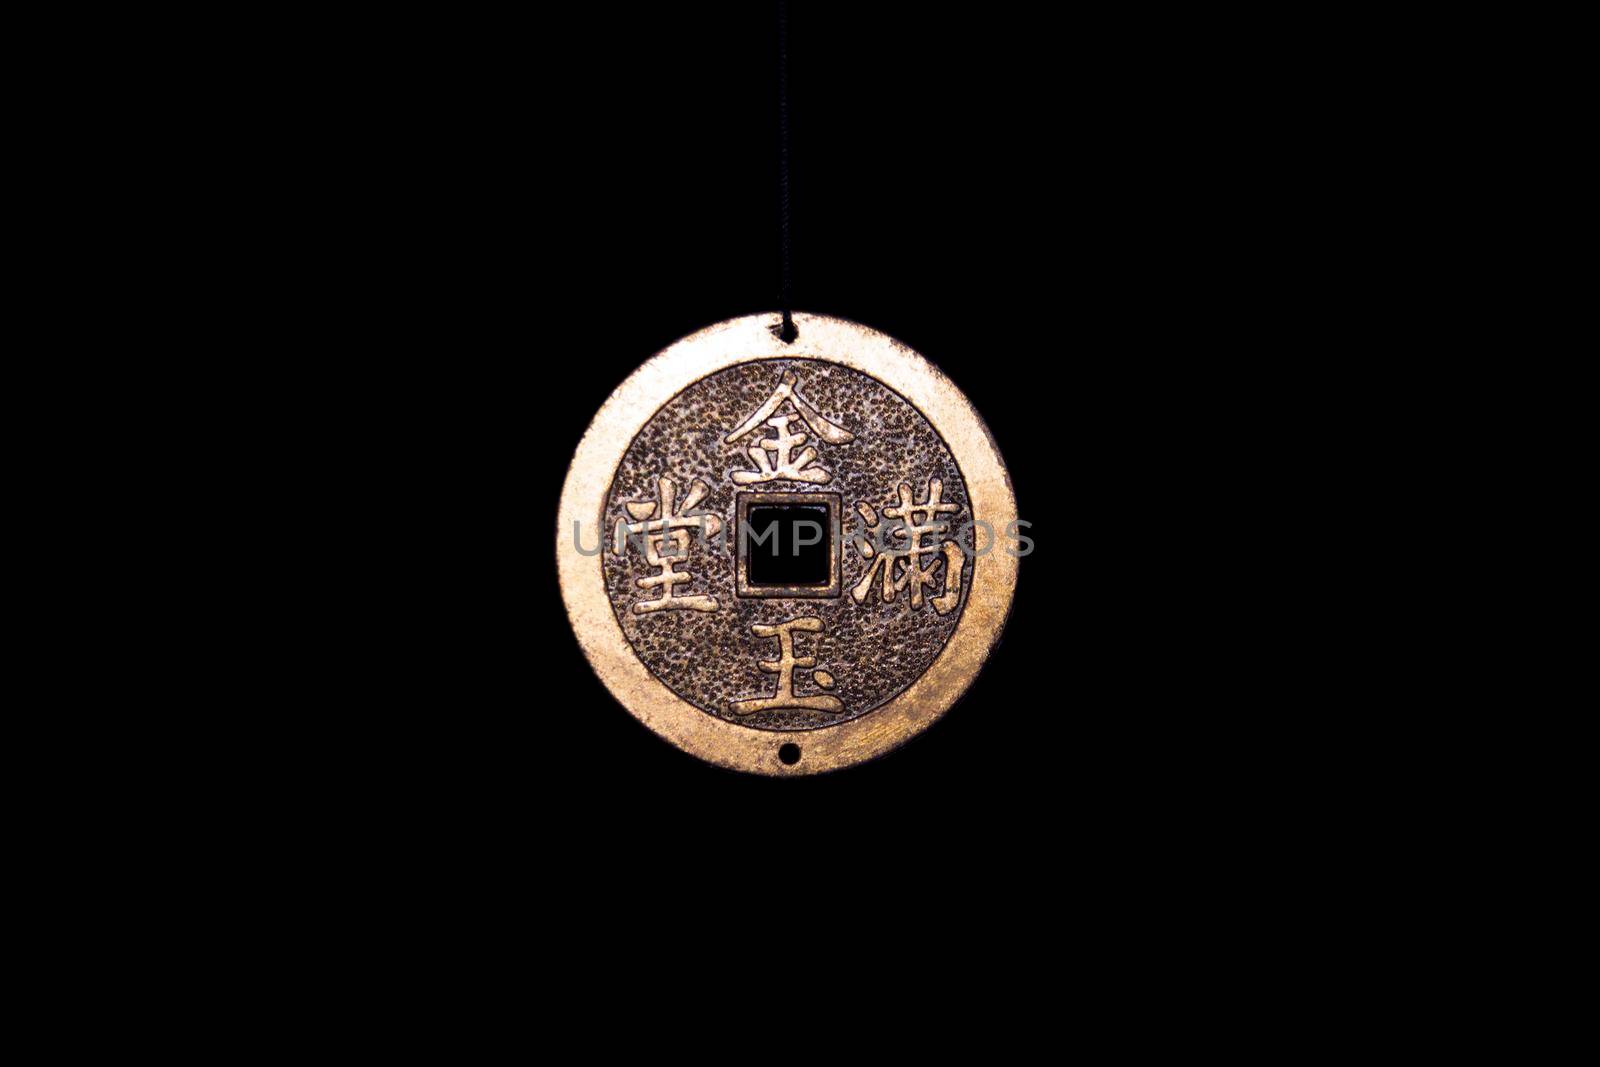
{"points": [[789, 559], [772, 454]]}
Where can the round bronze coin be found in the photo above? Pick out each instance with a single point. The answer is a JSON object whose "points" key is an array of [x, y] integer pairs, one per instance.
{"points": [[787, 558]]}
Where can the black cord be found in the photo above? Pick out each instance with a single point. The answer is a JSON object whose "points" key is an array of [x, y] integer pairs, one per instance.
{"points": [[786, 299]]}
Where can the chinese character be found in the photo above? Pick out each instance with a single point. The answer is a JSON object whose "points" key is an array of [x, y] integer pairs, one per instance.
{"points": [[784, 667], [918, 521], [772, 454], [661, 522]]}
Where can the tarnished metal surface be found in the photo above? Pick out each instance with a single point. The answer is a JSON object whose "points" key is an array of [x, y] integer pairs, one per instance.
{"points": [[827, 679], [873, 649]]}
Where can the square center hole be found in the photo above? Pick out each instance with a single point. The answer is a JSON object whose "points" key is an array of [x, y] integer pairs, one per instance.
{"points": [[787, 544]]}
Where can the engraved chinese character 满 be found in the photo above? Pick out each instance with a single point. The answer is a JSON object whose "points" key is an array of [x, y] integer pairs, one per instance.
{"points": [[917, 521]]}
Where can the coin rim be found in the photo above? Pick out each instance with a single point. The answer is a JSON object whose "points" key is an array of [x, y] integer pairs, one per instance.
{"points": [[636, 401]]}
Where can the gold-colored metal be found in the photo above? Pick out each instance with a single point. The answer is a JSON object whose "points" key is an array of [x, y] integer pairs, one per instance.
{"points": [[581, 525]]}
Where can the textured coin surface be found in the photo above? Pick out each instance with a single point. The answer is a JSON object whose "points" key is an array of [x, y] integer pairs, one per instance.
{"points": [[786, 558]]}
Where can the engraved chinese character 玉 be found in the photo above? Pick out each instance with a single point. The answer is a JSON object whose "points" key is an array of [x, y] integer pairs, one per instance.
{"points": [[772, 455], [917, 521], [664, 523], [784, 667]]}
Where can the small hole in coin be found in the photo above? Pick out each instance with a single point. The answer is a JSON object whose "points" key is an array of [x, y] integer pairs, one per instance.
{"points": [[789, 753]]}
